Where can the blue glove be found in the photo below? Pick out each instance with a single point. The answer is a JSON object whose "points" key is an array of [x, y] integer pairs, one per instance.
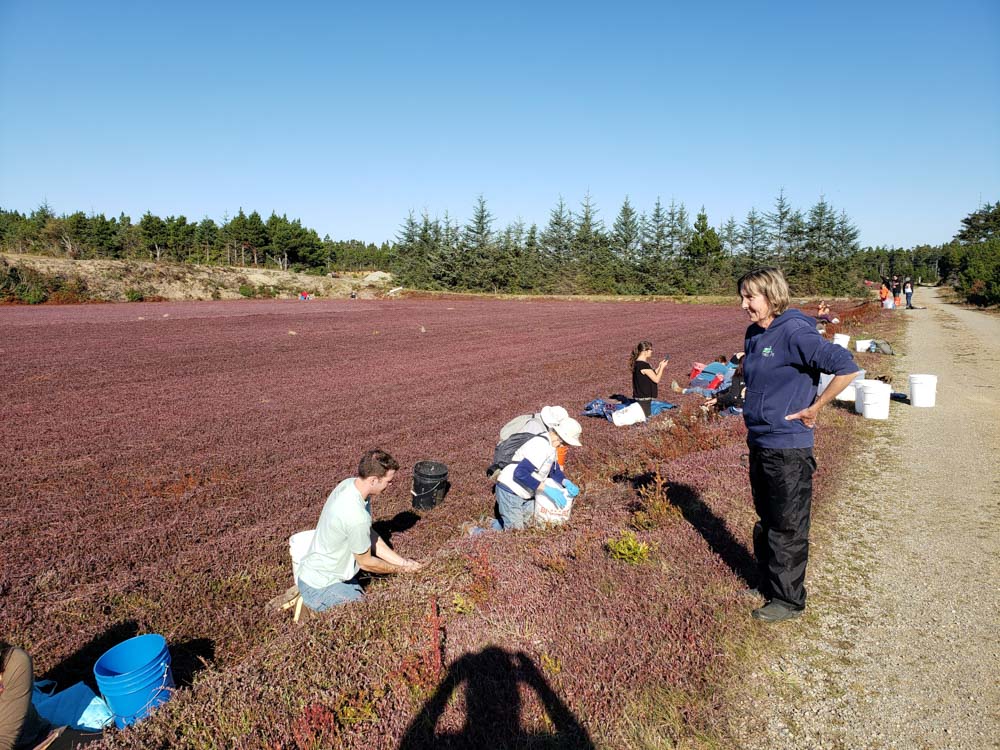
{"points": [[555, 495], [571, 489]]}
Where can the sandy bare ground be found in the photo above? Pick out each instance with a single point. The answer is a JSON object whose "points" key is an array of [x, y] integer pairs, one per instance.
{"points": [[109, 279], [900, 647]]}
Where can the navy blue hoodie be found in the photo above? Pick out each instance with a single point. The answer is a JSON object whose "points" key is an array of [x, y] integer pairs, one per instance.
{"points": [[782, 368]]}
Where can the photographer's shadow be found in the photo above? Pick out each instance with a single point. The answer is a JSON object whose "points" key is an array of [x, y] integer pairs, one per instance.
{"points": [[493, 708]]}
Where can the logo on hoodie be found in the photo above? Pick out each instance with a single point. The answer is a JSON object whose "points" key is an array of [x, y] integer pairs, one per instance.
{"points": [[768, 352]]}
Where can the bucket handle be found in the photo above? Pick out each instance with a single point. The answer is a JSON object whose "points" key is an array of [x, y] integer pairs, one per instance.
{"points": [[430, 491], [149, 703]]}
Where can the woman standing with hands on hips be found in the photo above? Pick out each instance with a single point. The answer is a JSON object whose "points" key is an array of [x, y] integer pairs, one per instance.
{"points": [[785, 356], [644, 377]]}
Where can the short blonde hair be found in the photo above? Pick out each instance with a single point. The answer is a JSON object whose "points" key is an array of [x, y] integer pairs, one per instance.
{"points": [[770, 282]]}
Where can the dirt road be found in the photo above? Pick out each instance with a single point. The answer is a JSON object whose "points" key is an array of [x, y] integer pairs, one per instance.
{"points": [[900, 647]]}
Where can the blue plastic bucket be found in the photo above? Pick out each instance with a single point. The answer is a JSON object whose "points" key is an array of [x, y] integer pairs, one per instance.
{"points": [[134, 677]]}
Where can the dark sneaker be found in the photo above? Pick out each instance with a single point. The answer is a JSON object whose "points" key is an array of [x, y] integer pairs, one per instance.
{"points": [[776, 611]]}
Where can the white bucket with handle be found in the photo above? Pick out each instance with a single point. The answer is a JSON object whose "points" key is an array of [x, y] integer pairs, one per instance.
{"points": [[842, 339], [875, 400], [850, 392], [861, 345], [859, 389], [923, 390]]}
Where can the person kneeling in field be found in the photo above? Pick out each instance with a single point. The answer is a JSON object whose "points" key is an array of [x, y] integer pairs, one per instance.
{"points": [[345, 544], [534, 473]]}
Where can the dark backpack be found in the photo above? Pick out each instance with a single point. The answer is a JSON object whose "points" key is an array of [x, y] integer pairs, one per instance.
{"points": [[503, 454]]}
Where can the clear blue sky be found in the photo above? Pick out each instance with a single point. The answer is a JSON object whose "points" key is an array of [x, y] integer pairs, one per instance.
{"points": [[350, 115]]}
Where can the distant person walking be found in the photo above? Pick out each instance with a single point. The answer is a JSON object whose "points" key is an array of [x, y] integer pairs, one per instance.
{"points": [[645, 378], [785, 356], [908, 291], [897, 291]]}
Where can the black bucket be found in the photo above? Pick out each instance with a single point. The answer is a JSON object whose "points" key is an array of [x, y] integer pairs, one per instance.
{"points": [[430, 482]]}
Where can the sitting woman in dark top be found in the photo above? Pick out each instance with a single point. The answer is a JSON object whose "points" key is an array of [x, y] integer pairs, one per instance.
{"points": [[644, 376]]}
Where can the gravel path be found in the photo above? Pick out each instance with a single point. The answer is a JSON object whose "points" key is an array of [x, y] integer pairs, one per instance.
{"points": [[900, 647]]}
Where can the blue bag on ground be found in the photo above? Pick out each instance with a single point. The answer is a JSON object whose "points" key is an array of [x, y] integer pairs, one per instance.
{"points": [[76, 706]]}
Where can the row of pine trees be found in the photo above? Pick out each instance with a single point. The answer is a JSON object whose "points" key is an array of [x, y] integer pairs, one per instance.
{"points": [[661, 251], [243, 240]]}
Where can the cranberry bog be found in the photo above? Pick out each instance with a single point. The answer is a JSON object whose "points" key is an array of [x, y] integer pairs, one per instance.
{"points": [[156, 458]]}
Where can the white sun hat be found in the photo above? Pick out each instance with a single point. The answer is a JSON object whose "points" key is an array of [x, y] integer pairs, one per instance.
{"points": [[553, 415], [569, 431]]}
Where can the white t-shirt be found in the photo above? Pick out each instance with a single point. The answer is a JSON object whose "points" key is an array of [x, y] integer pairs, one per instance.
{"points": [[344, 530], [540, 453]]}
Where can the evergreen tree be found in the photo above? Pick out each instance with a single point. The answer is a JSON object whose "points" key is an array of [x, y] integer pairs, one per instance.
{"points": [[821, 227], [729, 235], [206, 238], [256, 239], [655, 250], [446, 271], [557, 244], [980, 225], [626, 246], [153, 234], [180, 238], [593, 261], [778, 222], [477, 249], [754, 238], [405, 262], [531, 271], [678, 228]]}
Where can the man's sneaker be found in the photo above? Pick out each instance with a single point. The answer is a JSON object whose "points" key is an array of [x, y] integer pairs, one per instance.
{"points": [[776, 611], [675, 388]]}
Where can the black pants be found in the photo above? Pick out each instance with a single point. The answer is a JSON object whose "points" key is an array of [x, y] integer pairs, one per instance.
{"points": [[647, 406], [781, 483]]}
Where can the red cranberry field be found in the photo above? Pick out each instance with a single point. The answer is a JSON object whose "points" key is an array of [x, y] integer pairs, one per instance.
{"points": [[156, 458]]}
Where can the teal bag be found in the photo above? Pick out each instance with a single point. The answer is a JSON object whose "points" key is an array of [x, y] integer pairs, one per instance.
{"points": [[77, 706]]}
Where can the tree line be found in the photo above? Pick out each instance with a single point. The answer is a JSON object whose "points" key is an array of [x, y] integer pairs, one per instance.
{"points": [[661, 251], [243, 240]]}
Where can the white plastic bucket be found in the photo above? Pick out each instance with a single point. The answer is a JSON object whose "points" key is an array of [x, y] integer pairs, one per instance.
{"points": [[850, 392], [298, 546], [861, 345], [875, 401], [923, 390], [824, 381], [842, 339], [859, 387], [888, 304]]}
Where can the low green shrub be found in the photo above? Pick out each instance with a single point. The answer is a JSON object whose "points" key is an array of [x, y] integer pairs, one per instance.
{"points": [[134, 295], [628, 548]]}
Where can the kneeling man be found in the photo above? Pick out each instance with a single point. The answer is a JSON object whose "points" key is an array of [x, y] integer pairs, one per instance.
{"points": [[345, 544]]}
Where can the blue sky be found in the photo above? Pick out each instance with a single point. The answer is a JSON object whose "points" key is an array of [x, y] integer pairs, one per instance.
{"points": [[350, 115]]}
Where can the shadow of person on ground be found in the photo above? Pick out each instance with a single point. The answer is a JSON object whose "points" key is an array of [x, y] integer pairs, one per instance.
{"points": [[492, 680], [402, 521], [79, 666], [706, 522], [190, 657]]}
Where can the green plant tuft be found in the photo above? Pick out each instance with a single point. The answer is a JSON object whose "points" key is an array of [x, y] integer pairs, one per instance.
{"points": [[628, 549]]}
